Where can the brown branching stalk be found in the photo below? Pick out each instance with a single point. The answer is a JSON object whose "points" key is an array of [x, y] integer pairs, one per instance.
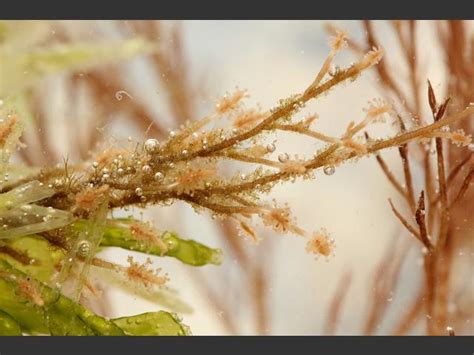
{"points": [[443, 226]]}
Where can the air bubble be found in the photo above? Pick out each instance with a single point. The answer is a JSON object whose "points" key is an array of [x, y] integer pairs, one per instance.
{"points": [[151, 145], [159, 176], [329, 170], [146, 169], [283, 157], [271, 148], [83, 248]]}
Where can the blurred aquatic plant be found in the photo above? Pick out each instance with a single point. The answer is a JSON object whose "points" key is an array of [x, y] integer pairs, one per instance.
{"points": [[56, 219], [436, 216]]}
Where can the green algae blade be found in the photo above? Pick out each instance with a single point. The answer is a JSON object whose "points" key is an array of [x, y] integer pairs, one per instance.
{"points": [[152, 323]]}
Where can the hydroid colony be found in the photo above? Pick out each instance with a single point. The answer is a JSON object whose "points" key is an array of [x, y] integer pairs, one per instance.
{"points": [[55, 219]]}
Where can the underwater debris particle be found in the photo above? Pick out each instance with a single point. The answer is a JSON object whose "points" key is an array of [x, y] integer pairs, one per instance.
{"points": [[119, 95]]}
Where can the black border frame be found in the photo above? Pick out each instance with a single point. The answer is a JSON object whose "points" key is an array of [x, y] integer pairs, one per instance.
{"points": [[323, 345], [242, 9], [238, 9]]}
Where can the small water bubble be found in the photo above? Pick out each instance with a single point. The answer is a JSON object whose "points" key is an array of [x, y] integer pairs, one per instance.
{"points": [[471, 147], [146, 169], [185, 152], [151, 145], [329, 170], [83, 248], [271, 148], [334, 70], [172, 134], [283, 157], [139, 191], [159, 176]]}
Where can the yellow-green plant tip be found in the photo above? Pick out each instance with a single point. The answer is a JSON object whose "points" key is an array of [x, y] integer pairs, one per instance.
{"points": [[153, 323]]}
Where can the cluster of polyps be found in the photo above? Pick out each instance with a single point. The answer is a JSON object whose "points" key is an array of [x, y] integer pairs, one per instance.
{"points": [[141, 273], [146, 234], [320, 244]]}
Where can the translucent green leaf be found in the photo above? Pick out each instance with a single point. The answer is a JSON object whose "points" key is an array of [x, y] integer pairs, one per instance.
{"points": [[90, 235], [186, 250], [19, 217], [30, 192], [190, 251], [31, 219], [8, 326], [44, 257], [60, 315], [17, 172], [21, 69], [153, 323]]}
